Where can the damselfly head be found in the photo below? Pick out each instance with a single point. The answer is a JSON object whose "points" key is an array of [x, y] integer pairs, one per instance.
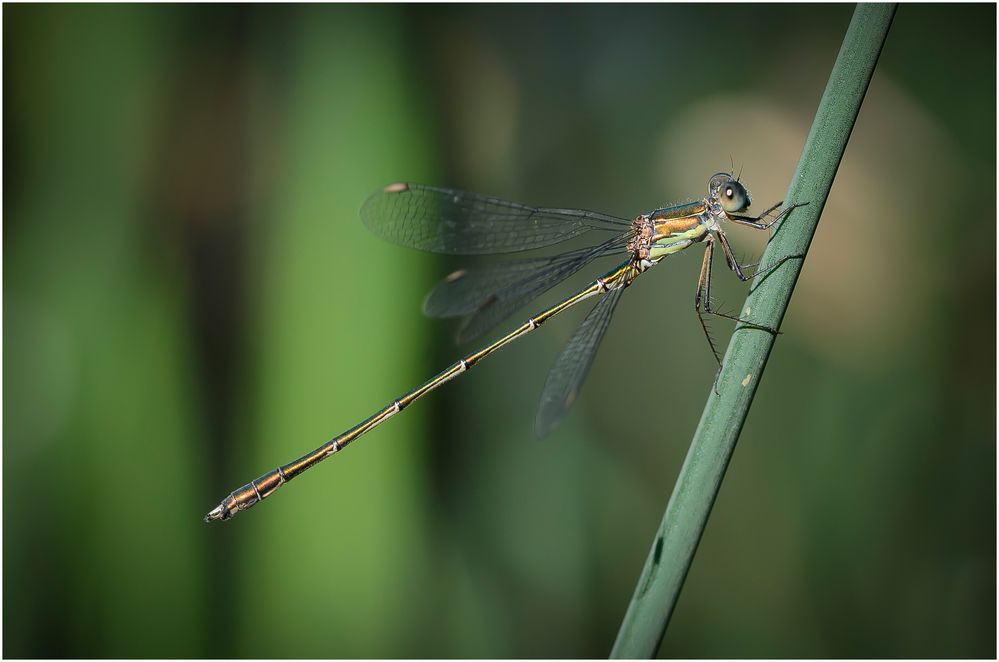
{"points": [[732, 196]]}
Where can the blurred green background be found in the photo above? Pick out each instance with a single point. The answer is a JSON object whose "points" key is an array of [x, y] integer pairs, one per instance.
{"points": [[189, 299]]}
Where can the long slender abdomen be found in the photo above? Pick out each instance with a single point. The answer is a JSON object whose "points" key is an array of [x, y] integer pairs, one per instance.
{"points": [[257, 490]]}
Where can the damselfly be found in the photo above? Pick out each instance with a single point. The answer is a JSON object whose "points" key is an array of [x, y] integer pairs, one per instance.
{"points": [[443, 220]]}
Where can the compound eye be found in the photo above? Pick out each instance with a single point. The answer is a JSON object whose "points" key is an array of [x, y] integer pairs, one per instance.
{"points": [[733, 196]]}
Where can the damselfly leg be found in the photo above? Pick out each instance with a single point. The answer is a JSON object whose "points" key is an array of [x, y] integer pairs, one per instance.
{"points": [[702, 297]]}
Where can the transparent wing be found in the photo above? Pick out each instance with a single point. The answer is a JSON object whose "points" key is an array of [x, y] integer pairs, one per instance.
{"points": [[489, 294], [567, 375], [466, 290], [443, 220]]}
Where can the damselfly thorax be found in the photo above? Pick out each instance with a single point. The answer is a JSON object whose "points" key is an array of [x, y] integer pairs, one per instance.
{"points": [[455, 222]]}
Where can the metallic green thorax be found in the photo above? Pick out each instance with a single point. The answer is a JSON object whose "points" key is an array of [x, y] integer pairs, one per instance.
{"points": [[677, 227]]}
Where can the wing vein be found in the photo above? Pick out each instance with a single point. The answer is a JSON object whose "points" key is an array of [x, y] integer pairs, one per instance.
{"points": [[573, 363], [442, 220]]}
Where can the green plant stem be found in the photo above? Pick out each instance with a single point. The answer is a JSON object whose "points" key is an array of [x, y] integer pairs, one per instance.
{"points": [[725, 411]]}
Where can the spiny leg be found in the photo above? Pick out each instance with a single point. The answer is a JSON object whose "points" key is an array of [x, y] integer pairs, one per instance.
{"points": [[759, 223], [737, 268], [702, 297], [733, 264]]}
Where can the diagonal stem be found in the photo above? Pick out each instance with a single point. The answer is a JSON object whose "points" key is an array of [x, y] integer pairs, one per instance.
{"points": [[724, 413]]}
